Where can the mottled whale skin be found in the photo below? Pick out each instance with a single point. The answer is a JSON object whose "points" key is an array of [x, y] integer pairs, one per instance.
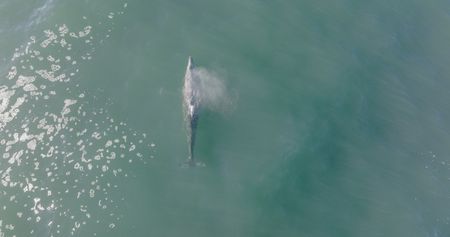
{"points": [[191, 106]]}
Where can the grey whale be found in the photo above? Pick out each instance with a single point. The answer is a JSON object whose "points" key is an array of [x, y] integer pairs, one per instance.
{"points": [[191, 106]]}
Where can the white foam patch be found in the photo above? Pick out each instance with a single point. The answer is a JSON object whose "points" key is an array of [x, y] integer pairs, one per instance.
{"points": [[32, 145], [57, 147], [30, 87]]}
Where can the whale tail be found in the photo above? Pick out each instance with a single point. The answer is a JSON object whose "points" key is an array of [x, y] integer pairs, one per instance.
{"points": [[190, 163]]}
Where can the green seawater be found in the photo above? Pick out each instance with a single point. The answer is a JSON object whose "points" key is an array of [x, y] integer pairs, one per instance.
{"points": [[335, 121]]}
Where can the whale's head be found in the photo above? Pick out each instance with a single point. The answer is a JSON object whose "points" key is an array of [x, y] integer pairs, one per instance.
{"points": [[190, 65]]}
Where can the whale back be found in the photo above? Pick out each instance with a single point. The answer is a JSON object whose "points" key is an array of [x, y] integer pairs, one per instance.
{"points": [[191, 103]]}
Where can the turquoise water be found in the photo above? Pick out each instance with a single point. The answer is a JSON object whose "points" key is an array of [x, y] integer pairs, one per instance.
{"points": [[332, 119]]}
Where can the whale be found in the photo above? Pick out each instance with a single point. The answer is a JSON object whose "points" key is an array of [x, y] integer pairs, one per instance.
{"points": [[191, 106]]}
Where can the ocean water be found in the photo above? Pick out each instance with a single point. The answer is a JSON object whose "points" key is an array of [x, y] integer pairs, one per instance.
{"points": [[326, 118]]}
